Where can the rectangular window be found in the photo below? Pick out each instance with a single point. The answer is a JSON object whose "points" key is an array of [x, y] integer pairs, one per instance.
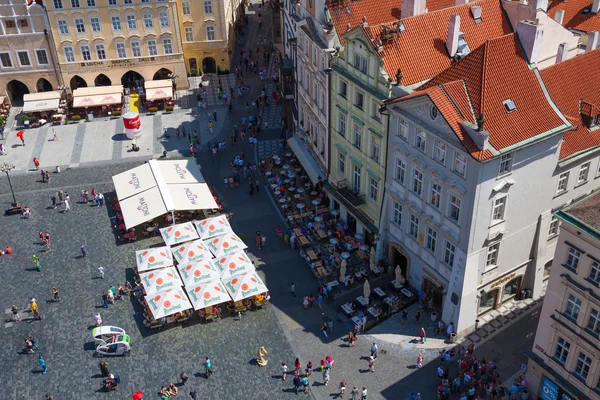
{"points": [[131, 21], [121, 52], [116, 22], [343, 89], [136, 50], [322, 63], [420, 141], [69, 54], [583, 173], [359, 99], [498, 209], [418, 183], [373, 189], [6, 60], [63, 26], [91, 3], [553, 229], [360, 63], [152, 48], [431, 239], [75, 4], [79, 25], [342, 164], [210, 33], [449, 252], [594, 275], [315, 91], [402, 131], [563, 179], [594, 322], [307, 83], [112, 2], [148, 20], [323, 100], [23, 57], [23, 23], [562, 351], [413, 226], [356, 179], [573, 307], [208, 8], [42, 57], [436, 194], [505, 164], [58, 4], [460, 164], [573, 259], [127, 2], [10, 23], [454, 207], [100, 52], [342, 124], [440, 151], [492, 255], [375, 111], [163, 19], [168, 46], [189, 34], [583, 366], [145, 1], [357, 136], [375, 149], [185, 8], [400, 170], [86, 54], [315, 55], [95, 23], [397, 215]]}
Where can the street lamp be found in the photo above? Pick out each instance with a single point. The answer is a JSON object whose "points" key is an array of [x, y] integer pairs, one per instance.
{"points": [[6, 168]]}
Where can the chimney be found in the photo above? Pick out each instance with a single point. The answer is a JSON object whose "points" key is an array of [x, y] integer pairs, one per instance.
{"points": [[595, 6], [530, 34], [592, 41], [453, 31], [461, 2], [563, 52], [539, 5], [559, 16], [410, 8]]}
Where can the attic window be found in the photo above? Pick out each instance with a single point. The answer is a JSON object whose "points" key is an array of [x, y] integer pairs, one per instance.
{"points": [[509, 105], [476, 13], [401, 27], [585, 11]]}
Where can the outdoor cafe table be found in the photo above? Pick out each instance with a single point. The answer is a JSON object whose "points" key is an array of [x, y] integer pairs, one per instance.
{"points": [[379, 292], [322, 234], [394, 284], [374, 312], [347, 309], [333, 284], [357, 321], [312, 255], [406, 292], [304, 241], [298, 231], [389, 300], [361, 300]]}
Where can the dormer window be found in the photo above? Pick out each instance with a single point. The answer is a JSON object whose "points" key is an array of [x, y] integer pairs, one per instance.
{"points": [[509, 105], [596, 120]]}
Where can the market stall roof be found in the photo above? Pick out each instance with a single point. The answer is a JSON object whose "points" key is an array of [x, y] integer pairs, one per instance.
{"points": [[157, 257], [191, 252], [142, 207], [43, 101], [234, 264], [225, 245], [199, 272], [207, 294], [179, 233], [241, 287], [134, 181], [97, 96], [306, 159], [214, 226], [196, 196], [158, 90], [179, 171], [160, 279], [165, 303]]}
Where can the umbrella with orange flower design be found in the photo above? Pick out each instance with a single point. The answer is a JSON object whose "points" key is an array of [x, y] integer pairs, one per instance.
{"points": [[234, 264], [211, 227], [190, 252], [179, 233], [158, 257], [241, 287], [160, 279], [225, 245], [199, 272], [207, 294], [167, 302]]}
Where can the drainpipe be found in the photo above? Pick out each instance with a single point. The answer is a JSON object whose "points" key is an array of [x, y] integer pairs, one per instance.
{"points": [[179, 40], [52, 48]]}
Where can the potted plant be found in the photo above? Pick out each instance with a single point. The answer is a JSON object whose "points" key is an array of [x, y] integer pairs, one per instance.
{"points": [[169, 108], [152, 110], [116, 113], [75, 118], [24, 118]]}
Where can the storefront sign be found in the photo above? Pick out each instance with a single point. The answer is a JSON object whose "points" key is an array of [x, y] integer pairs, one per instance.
{"points": [[118, 63], [505, 279], [549, 390], [432, 276]]}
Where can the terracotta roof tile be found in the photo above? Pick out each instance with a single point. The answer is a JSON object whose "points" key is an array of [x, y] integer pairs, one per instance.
{"points": [[574, 18], [421, 53], [498, 71], [569, 82]]}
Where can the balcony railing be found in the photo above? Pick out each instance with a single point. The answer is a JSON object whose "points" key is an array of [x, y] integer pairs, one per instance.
{"points": [[355, 199]]}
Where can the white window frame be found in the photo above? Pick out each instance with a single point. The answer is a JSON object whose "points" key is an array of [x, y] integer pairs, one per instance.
{"points": [[163, 19], [449, 254], [431, 241], [75, 4], [563, 181], [100, 51], [121, 50], [440, 151], [584, 172], [95, 23], [373, 189], [454, 205], [491, 259], [593, 325], [148, 22], [63, 26], [583, 366], [131, 21], [208, 7], [186, 8], [573, 258], [115, 22], [357, 138], [152, 47], [375, 149], [499, 209], [397, 213], [79, 25], [435, 194], [553, 228], [360, 63], [356, 178], [167, 46], [210, 33], [342, 164], [113, 3], [85, 49], [413, 226], [342, 124], [344, 85], [573, 307], [402, 131], [421, 141], [37, 57], [19, 58], [417, 182], [58, 4], [561, 352], [136, 49], [12, 64], [460, 164], [188, 33], [594, 274], [400, 172], [69, 54], [359, 95], [505, 164]]}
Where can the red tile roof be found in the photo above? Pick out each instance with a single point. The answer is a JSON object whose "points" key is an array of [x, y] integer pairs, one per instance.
{"points": [[421, 53], [481, 82], [574, 17], [572, 83], [344, 12]]}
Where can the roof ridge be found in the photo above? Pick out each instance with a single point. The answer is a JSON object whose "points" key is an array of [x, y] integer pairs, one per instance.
{"points": [[466, 5]]}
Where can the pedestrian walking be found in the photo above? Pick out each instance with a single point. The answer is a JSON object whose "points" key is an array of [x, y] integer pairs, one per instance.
{"points": [[33, 341], [404, 318], [67, 206], [82, 248], [36, 163], [372, 364], [15, 313], [423, 335], [105, 300], [325, 376], [354, 393], [364, 394], [418, 316], [55, 294], [43, 365], [111, 296], [208, 365], [297, 366], [183, 378], [351, 339], [284, 370], [97, 319], [330, 325], [374, 350], [324, 329], [100, 271], [320, 302], [54, 136], [292, 288], [420, 360], [342, 388], [308, 369], [214, 115], [305, 302]]}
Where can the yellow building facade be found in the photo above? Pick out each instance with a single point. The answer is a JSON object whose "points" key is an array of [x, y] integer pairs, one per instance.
{"points": [[114, 42], [208, 33]]}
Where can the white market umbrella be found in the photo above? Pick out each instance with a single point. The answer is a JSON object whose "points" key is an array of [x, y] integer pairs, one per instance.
{"points": [[179, 233], [399, 277], [234, 264], [225, 245], [207, 294], [158, 257], [165, 303], [367, 290], [160, 279], [243, 286], [372, 257], [190, 252], [211, 227], [198, 272], [343, 271]]}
